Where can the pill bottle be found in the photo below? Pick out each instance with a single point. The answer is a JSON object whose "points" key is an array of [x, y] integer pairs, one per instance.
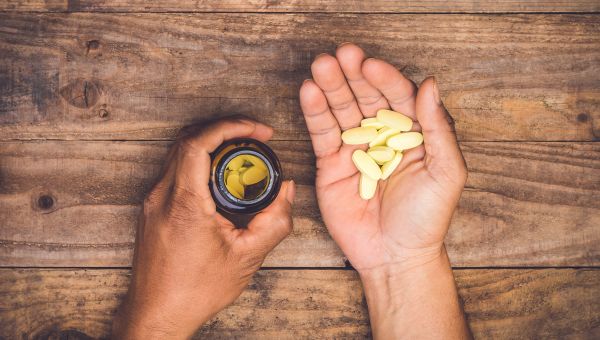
{"points": [[245, 177]]}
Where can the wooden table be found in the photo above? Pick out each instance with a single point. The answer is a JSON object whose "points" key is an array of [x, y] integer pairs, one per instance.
{"points": [[92, 93]]}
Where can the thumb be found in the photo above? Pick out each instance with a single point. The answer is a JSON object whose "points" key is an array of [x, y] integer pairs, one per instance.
{"points": [[442, 152], [273, 224]]}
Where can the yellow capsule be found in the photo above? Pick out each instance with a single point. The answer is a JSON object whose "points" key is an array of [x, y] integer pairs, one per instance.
{"points": [[395, 120], [383, 135], [366, 164], [234, 186], [388, 167], [253, 175], [372, 122], [405, 141], [381, 154], [366, 187], [236, 163], [359, 135], [255, 161]]}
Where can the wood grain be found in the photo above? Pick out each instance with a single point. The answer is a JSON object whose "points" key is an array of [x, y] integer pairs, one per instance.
{"points": [[302, 304], [76, 204], [142, 76], [343, 6]]}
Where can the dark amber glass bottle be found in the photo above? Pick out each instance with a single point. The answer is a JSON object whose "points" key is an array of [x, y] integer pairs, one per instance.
{"points": [[245, 176]]}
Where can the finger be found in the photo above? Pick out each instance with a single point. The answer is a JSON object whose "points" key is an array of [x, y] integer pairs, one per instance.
{"points": [[409, 157], [195, 129], [337, 167], [328, 75], [193, 162], [323, 128], [269, 227], [399, 91], [368, 97], [441, 147]]}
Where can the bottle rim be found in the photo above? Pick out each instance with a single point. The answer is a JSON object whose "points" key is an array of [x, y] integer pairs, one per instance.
{"points": [[220, 191]]}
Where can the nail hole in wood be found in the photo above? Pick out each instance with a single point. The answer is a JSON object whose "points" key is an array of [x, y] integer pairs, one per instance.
{"points": [[583, 117], [93, 44], [45, 202]]}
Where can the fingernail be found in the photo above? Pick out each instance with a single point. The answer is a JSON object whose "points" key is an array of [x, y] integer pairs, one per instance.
{"points": [[320, 55], [344, 43], [290, 192], [305, 80], [436, 92]]}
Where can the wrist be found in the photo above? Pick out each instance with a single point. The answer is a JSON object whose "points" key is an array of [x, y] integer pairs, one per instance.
{"points": [[136, 321], [391, 289], [411, 262]]}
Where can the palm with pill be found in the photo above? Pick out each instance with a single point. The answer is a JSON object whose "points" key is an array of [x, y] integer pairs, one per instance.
{"points": [[409, 215]]}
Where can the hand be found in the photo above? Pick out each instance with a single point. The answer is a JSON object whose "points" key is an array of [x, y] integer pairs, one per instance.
{"points": [[395, 240], [190, 262], [408, 218]]}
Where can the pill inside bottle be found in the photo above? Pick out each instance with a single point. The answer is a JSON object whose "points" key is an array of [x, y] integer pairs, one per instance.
{"points": [[245, 176]]}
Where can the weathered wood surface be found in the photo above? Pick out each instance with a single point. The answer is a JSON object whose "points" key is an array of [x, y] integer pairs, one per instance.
{"points": [[294, 304], [76, 204], [142, 76], [343, 6]]}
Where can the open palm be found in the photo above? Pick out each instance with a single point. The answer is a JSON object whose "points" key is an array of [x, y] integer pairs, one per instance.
{"points": [[410, 212]]}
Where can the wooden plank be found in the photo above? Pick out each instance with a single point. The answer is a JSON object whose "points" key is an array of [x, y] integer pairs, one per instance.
{"points": [[283, 6], [300, 304], [142, 76], [76, 204]]}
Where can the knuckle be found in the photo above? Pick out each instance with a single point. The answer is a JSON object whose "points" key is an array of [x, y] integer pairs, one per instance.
{"points": [[285, 223], [186, 145], [190, 202], [151, 201]]}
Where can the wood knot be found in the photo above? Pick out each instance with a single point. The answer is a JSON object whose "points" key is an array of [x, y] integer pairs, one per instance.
{"points": [[45, 202], [583, 117], [81, 93], [92, 44], [92, 48], [103, 113]]}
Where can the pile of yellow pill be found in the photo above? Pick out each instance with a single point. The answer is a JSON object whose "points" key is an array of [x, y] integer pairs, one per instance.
{"points": [[246, 176], [387, 134]]}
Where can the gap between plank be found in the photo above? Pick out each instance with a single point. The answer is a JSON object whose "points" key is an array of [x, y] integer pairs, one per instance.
{"points": [[303, 12]]}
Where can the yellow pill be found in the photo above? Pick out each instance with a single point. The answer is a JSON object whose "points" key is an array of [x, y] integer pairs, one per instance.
{"points": [[234, 186], [366, 164], [394, 119], [255, 161], [253, 175], [366, 187], [359, 135], [388, 167], [404, 141], [383, 135], [381, 154], [372, 122], [236, 163]]}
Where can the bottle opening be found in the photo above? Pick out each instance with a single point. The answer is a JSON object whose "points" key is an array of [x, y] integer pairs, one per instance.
{"points": [[246, 177]]}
